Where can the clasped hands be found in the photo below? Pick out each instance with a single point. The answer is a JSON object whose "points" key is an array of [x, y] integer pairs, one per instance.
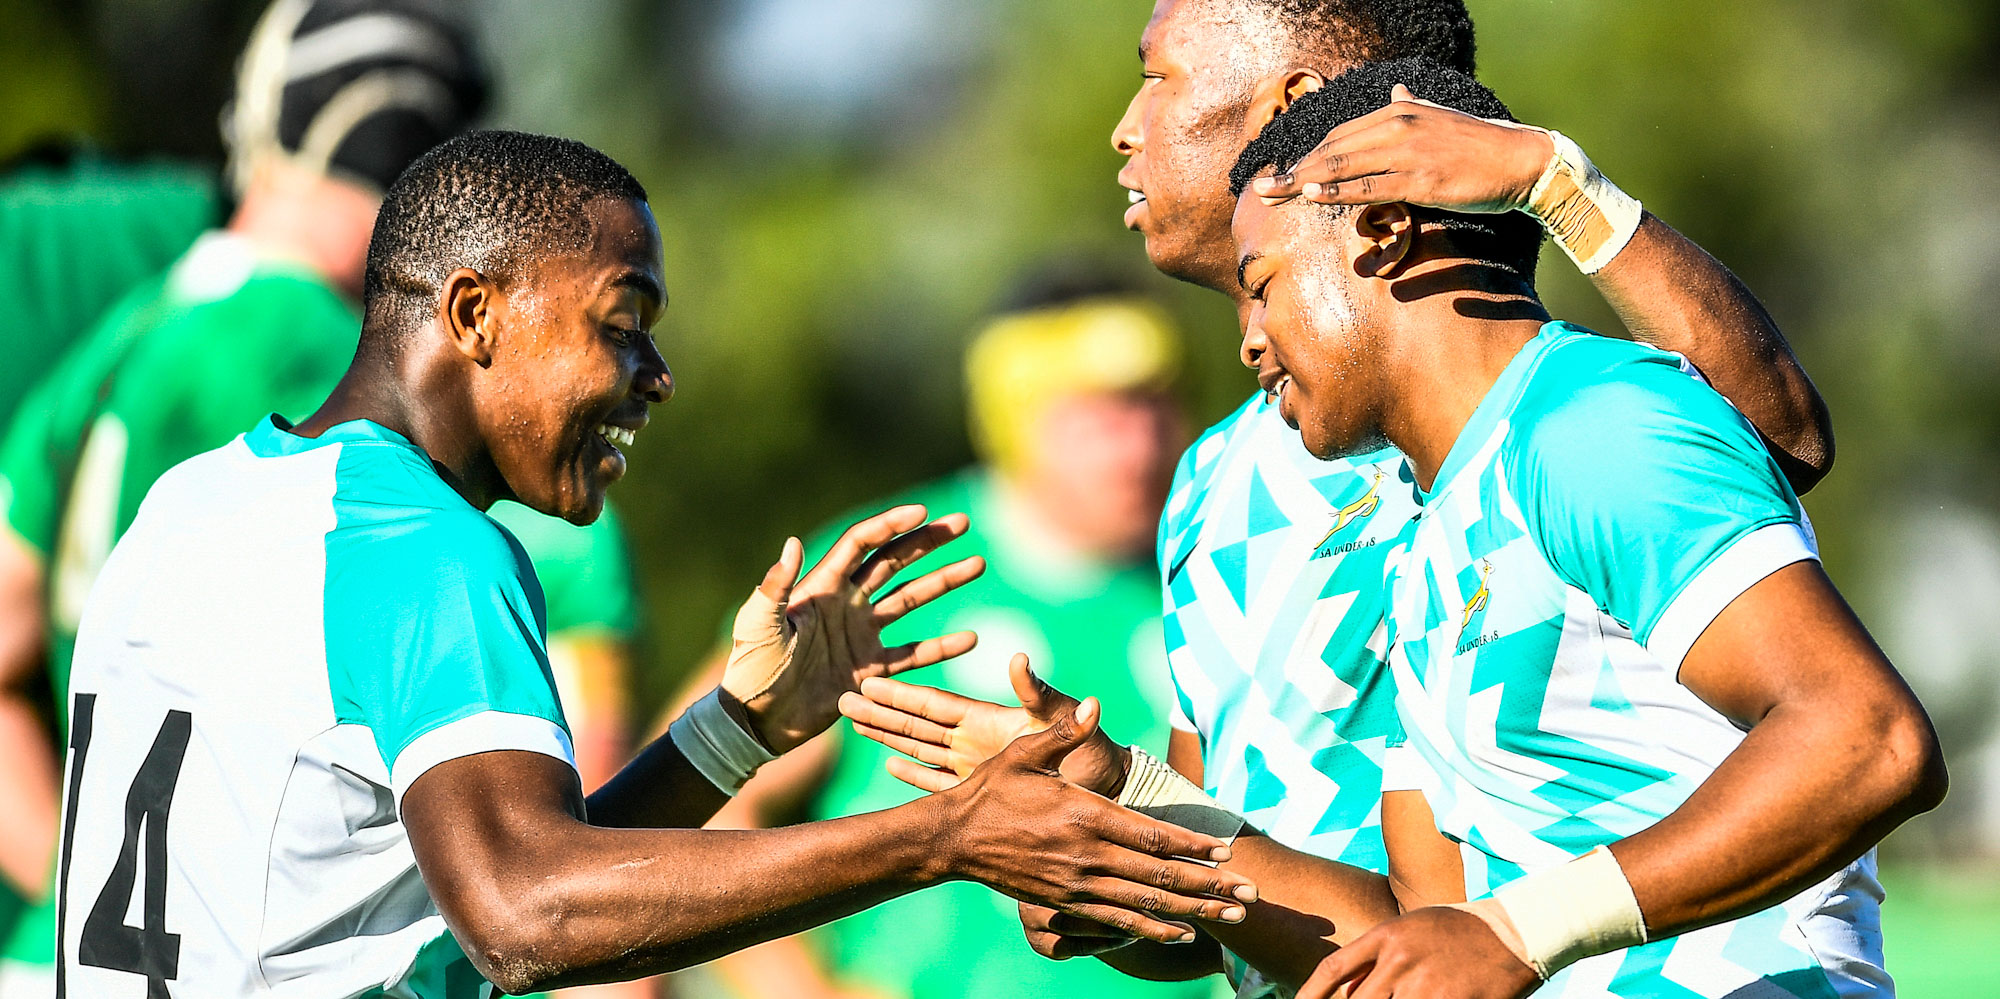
{"points": [[799, 645], [1434, 951]]}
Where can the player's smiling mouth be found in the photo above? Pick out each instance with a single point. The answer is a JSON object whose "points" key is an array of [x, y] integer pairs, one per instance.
{"points": [[1137, 207], [616, 435]]}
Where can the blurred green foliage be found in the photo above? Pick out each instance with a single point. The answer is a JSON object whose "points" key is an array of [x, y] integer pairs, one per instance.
{"points": [[839, 214]]}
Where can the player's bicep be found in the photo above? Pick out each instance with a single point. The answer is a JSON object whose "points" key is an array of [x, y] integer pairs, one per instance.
{"points": [[1789, 639], [1425, 868]]}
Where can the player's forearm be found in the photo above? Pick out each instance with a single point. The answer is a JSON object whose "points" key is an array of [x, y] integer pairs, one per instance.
{"points": [[29, 792], [1671, 293], [1158, 962], [1809, 790], [1308, 906], [658, 790], [584, 904]]}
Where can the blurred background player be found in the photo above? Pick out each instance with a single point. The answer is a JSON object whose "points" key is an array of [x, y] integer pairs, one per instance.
{"points": [[77, 230], [1076, 435], [334, 98]]}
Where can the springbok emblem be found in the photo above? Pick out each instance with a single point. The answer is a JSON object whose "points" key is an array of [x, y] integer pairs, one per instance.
{"points": [[1479, 596], [1356, 510]]}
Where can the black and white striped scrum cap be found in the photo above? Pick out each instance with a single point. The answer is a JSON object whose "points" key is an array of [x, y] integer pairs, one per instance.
{"points": [[352, 88]]}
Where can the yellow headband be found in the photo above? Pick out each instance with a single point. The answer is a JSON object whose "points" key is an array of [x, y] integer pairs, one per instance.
{"points": [[1023, 363]]}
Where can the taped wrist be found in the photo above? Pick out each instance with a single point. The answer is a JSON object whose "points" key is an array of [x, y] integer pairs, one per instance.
{"points": [[717, 746], [1588, 216], [1154, 789], [1558, 917], [759, 649]]}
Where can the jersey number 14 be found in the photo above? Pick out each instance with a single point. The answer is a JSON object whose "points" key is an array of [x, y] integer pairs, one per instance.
{"points": [[107, 942]]}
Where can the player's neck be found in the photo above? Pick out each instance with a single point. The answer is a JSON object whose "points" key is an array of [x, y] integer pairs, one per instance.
{"points": [[426, 403], [1443, 353]]}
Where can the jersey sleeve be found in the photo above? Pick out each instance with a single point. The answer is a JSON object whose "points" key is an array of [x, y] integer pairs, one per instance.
{"points": [[1655, 497], [434, 641], [585, 573]]}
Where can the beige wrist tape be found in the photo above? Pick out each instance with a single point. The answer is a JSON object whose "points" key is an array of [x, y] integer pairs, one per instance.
{"points": [[716, 745], [1155, 789], [759, 652], [1589, 217], [1556, 918]]}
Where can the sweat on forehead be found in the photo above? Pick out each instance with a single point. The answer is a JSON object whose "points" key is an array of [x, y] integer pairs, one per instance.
{"points": [[1300, 128]]}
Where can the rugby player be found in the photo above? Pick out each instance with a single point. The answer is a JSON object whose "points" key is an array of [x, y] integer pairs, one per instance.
{"points": [[1272, 560], [1074, 462], [317, 655], [1610, 636]]}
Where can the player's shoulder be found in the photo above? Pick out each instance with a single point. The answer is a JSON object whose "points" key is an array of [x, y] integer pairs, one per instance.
{"points": [[391, 508], [1603, 402]]}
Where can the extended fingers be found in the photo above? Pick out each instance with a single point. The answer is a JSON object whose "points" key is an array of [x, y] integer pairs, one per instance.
{"points": [[1149, 835], [926, 588], [928, 652], [903, 551], [924, 752], [940, 706], [866, 713], [1140, 893], [846, 555], [784, 573], [921, 777]]}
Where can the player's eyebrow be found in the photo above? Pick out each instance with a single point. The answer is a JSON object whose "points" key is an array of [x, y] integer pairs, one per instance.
{"points": [[1244, 264], [643, 283]]}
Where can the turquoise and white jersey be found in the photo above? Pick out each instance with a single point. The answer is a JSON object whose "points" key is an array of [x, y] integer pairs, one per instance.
{"points": [[290, 634], [1272, 562], [1595, 515]]}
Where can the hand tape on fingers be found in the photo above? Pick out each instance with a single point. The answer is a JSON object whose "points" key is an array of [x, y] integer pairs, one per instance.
{"points": [[1589, 217], [716, 745], [1154, 789], [1558, 917], [759, 649]]}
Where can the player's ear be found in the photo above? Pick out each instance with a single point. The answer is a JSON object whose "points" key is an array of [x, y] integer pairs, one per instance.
{"points": [[465, 312], [1275, 93], [1388, 233]]}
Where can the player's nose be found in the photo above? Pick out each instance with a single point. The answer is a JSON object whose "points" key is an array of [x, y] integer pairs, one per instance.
{"points": [[1128, 138], [655, 381]]}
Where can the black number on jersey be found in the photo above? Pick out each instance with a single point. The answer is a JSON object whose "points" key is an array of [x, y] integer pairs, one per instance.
{"points": [[106, 941]]}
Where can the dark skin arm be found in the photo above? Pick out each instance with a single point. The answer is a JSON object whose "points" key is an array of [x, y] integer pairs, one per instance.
{"points": [[1667, 291], [1307, 907], [1838, 753], [541, 898]]}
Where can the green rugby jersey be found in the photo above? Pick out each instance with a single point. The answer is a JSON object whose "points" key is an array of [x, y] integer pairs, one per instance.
{"points": [[292, 632], [1600, 508], [74, 238], [1089, 628]]}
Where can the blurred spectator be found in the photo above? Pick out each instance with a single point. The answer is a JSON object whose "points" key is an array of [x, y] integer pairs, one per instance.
{"points": [[1077, 439], [76, 231], [334, 99]]}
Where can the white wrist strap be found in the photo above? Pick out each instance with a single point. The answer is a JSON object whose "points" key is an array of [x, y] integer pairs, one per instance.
{"points": [[1589, 217], [716, 745], [1155, 789], [1561, 916]]}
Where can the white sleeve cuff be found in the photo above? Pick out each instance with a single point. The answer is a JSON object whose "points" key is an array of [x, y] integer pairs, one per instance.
{"points": [[1403, 769], [1745, 564], [485, 732]]}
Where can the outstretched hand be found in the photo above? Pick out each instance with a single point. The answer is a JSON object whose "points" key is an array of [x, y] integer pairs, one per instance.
{"points": [[1420, 153], [798, 644], [1021, 829], [952, 734]]}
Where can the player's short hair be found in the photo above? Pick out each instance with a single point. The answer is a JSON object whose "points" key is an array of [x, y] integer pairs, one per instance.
{"points": [[1378, 30], [490, 200], [1509, 240]]}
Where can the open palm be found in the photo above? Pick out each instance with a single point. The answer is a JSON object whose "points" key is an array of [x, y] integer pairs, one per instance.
{"points": [[953, 734], [798, 644]]}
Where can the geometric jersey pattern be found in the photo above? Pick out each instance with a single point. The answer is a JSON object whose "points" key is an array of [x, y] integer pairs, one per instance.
{"points": [[1272, 563], [1596, 513]]}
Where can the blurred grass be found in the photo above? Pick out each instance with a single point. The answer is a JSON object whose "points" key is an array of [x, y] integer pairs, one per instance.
{"points": [[1941, 930]]}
